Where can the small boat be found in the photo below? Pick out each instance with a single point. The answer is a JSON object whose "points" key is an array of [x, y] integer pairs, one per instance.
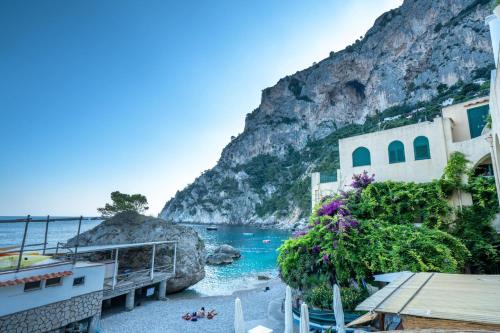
{"points": [[28, 260], [212, 228], [248, 234], [266, 241]]}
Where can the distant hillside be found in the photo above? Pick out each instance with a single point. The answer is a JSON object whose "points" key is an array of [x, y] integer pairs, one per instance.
{"points": [[413, 58]]}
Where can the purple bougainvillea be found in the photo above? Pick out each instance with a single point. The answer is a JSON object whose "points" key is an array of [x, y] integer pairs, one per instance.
{"points": [[331, 208], [316, 249], [362, 180], [326, 258]]}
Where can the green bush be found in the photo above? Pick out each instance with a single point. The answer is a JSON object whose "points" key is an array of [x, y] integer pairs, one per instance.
{"points": [[322, 297], [337, 248], [403, 203]]}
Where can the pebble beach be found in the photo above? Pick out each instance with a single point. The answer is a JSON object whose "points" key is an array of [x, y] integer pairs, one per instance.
{"points": [[165, 316]]}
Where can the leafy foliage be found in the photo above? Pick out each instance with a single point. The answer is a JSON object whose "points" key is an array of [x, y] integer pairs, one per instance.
{"points": [[321, 297], [454, 173], [124, 203], [372, 229], [404, 203], [337, 247], [473, 225]]}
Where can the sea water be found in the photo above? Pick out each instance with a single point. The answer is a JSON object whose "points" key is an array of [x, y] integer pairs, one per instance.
{"points": [[257, 257], [11, 234]]}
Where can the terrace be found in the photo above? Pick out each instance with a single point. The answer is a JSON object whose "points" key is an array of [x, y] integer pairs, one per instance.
{"points": [[21, 261]]}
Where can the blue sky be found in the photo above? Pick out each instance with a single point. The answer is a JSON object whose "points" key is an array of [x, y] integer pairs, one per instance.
{"points": [[141, 96]]}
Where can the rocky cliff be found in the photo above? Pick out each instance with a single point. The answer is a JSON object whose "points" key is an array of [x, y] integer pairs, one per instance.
{"points": [[413, 58]]}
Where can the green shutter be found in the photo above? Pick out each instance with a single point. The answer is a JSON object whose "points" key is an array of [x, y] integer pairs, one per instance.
{"points": [[396, 152], [327, 177], [421, 148], [361, 157], [477, 119]]}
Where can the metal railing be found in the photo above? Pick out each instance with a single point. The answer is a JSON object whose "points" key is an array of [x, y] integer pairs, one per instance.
{"points": [[147, 273], [20, 249]]}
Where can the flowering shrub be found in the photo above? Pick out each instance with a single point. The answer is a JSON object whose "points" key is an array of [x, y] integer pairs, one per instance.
{"points": [[368, 230], [361, 181]]}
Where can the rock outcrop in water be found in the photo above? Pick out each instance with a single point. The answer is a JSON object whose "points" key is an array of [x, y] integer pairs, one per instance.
{"points": [[224, 254], [411, 55], [131, 227]]}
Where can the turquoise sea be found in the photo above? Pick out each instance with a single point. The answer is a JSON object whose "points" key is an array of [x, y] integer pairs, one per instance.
{"points": [[257, 257]]}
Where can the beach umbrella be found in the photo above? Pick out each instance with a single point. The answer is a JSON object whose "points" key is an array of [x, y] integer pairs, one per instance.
{"points": [[338, 310], [239, 323], [288, 310], [304, 318]]}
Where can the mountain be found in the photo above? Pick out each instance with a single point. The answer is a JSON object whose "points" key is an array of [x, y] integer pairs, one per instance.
{"points": [[412, 59]]}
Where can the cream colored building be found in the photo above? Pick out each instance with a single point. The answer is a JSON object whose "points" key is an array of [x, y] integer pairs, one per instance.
{"points": [[416, 153], [493, 137]]}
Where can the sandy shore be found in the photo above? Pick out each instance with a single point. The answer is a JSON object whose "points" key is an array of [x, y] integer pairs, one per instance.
{"points": [[165, 316]]}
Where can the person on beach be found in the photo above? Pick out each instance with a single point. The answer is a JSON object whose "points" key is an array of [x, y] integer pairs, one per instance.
{"points": [[211, 314], [201, 312]]}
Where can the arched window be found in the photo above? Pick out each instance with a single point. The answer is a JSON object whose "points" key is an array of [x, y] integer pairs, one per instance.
{"points": [[396, 152], [421, 148], [360, 157]]}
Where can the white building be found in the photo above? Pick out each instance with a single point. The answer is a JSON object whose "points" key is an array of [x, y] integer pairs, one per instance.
{"points": [[412, 153], [494, 23], [51, 296], [55, 289]]}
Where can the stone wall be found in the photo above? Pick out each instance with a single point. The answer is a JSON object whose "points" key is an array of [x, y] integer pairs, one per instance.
{"points": [[53, 316]]}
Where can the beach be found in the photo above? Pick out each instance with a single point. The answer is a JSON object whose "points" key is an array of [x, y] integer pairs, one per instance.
{"points": [[259, 307]]}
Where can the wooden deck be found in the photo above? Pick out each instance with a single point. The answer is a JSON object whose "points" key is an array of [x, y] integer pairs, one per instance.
{"points": [[132, 281]]}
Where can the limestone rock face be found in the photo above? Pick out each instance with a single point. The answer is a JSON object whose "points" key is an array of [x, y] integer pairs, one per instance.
{"points": [[408, 54], [130, 227]]}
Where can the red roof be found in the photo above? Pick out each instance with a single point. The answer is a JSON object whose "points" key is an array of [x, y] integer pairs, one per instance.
{"points": [[34, 278]]}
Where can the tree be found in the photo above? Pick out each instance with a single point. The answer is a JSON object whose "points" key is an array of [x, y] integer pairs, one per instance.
{"points": [[123, 202]]}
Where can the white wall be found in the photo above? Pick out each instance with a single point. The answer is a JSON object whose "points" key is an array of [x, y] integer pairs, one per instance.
{"points": [[320, 190], [494, 23], [15, 299], [94, 278]]}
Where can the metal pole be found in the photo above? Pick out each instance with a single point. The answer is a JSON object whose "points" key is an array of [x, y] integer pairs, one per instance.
{"points": [[77, 238], [153, 262], [22, 244], [175, 255], [46, 233], [115, 272]]}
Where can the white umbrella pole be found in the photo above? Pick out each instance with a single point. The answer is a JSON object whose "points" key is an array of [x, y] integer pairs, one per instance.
{"points": [[239, 323], [304, 318], [338, 310], [288, 311]]}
